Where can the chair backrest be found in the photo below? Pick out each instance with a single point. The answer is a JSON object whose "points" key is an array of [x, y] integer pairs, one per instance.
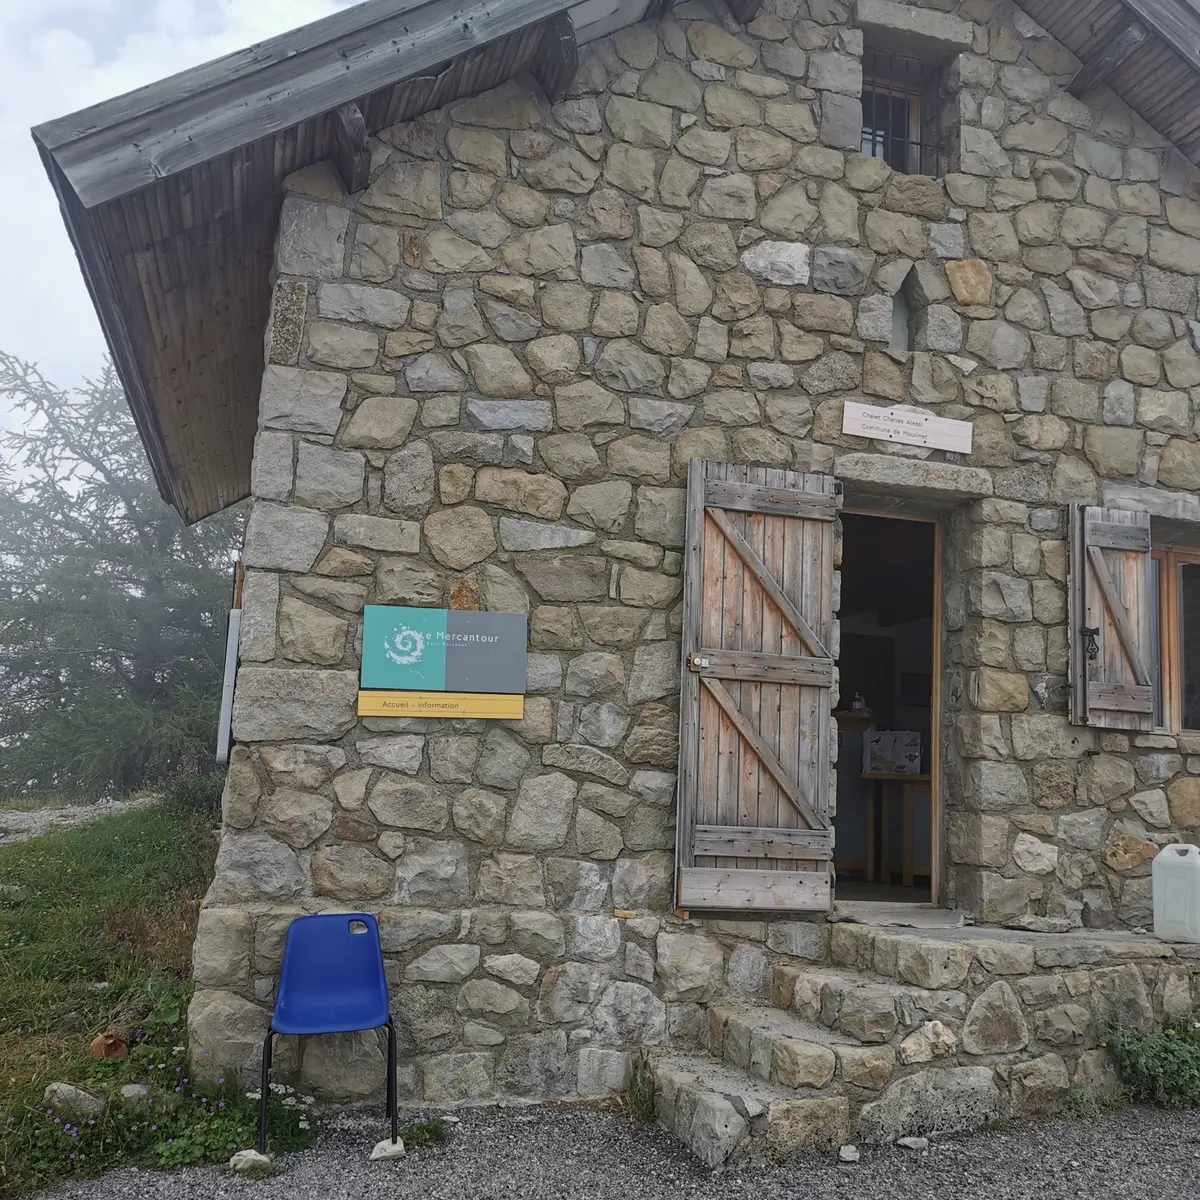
{"points": [[329, 962]]}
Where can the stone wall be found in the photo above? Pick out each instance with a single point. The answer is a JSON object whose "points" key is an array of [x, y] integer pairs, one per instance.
{"points": [[487, 374]]}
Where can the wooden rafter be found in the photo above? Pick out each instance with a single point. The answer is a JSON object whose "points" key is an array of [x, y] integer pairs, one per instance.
{"points": [[351, 148], [558, 57]]}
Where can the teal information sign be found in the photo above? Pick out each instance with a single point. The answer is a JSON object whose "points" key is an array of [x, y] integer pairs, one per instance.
{"points": [[441, 650]]}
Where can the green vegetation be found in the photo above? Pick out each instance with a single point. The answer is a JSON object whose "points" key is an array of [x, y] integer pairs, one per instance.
{"points": [[419, 1134], [1161, 1067], [639, 1100], [113, 625], [35, 801], [96, 928]]}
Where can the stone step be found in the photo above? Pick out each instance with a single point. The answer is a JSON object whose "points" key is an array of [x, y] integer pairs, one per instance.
{"points": [[723, 1115], [871, 1011], [936, 962], [946, 958], [780, 1047]]}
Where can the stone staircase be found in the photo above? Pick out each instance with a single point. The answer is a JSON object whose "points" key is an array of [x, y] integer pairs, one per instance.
{"points": [[902, 1034]]}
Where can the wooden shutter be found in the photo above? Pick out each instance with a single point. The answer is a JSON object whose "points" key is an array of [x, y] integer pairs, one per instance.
{"points": [[1110, 606], [755, 744]]}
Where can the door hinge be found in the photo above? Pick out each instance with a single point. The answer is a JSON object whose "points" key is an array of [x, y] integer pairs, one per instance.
{"points": [[1090, 646]]}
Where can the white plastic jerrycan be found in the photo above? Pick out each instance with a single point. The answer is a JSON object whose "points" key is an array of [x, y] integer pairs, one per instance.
{"points": [[1177, 893]]}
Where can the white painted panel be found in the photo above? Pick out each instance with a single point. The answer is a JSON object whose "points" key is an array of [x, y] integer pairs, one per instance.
{"points": [[908, 426]]}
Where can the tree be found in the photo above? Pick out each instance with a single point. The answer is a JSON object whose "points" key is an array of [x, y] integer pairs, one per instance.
{"points": [[112, 610]]}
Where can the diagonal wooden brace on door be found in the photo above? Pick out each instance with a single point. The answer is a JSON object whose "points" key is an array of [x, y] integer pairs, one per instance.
{"points": [[766, 756], [755, 566], [1120, 616]]}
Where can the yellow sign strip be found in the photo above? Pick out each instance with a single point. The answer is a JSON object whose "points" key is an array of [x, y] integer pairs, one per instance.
{"points": [[441, 704]]}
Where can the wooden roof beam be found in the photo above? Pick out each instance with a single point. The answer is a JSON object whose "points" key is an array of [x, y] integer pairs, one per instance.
{"points": [[1109, 57], [558, 57], [351, 148]]}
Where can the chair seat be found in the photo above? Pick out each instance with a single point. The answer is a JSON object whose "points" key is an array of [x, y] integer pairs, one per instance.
{"points": [[328, 1014]]}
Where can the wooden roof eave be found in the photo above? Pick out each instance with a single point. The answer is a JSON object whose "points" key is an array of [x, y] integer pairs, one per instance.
{"points": [[1132, 45], [172, 126], [118, 152], [98, 277]]}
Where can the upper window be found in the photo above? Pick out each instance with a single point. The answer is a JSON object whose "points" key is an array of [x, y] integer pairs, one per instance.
{"points": [[901, 113]]}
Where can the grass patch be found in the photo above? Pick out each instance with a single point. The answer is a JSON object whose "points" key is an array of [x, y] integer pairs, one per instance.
{"points": [[36, 801], [639, 1100], [96, 931], [1161, 1067], [417, 1135]]}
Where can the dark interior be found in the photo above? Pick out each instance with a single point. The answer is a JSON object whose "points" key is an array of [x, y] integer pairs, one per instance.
{"points": [[885, 665]]}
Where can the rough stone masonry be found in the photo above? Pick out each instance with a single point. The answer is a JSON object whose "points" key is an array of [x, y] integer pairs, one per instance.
{"points": [[486, 376]]}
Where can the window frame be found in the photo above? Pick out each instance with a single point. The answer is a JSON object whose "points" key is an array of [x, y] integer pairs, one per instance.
{"points": [[1169, 559], [891, 76]]}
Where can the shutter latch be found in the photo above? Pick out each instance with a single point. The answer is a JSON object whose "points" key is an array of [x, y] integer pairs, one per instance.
{"points": [[1091, 649]]}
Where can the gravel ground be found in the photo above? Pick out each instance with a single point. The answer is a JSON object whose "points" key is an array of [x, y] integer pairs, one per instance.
{"points": [[21, 826], [558, 1155]]}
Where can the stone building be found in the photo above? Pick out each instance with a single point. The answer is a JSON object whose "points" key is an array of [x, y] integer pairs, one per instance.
{"points": [[461, 348]]}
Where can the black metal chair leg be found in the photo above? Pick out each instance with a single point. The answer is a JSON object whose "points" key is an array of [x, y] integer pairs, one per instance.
{"points": [[391, 1079], [263, 1092]]}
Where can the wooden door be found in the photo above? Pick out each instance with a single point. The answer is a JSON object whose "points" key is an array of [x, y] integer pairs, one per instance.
{"points": [[755, 745], [1110, 606]]}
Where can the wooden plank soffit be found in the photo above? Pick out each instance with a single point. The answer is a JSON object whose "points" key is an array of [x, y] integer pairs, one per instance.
{"points": [[1176, 22], [351, 148], [1109, 57]]}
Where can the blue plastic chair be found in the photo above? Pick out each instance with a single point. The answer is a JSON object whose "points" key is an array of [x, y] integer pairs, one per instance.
{"points": [[332, 981]]}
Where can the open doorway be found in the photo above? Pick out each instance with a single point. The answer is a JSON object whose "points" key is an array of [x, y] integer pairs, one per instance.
{"points": [[886, 769]]}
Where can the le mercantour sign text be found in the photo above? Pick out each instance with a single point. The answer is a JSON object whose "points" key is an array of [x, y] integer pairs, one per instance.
{"points": [[436, 662], [907, 426]]}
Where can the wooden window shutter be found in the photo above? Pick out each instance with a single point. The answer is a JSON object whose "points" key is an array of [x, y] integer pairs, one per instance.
{"points": [[1110, 606], [755, 741]]}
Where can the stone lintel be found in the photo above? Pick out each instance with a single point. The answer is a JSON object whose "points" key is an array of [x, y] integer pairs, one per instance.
{"points": [[916, 31], [1157, 501], [913, 478]]}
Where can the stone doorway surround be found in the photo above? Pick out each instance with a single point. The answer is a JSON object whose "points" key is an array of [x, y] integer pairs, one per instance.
{"points": [[957, 498]]}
